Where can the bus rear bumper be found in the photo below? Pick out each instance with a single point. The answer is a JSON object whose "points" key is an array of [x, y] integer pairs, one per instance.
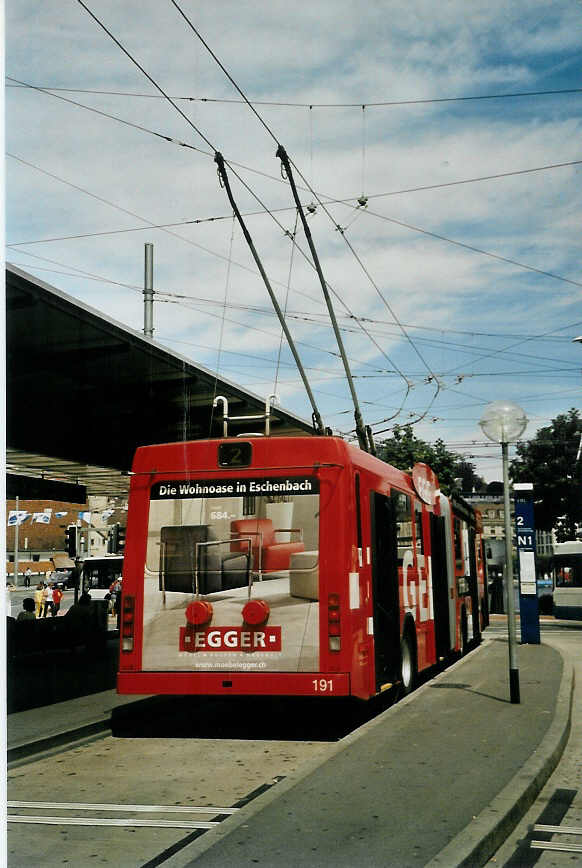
{"points": [[234, 683]]}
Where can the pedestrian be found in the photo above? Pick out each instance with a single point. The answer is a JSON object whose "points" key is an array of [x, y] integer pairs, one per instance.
{"points": [[57, 597], [27, 575], [80, 620], [115, 591], [83, 606], [39, 599], [27, 614], [8, 599], [47, 599]]}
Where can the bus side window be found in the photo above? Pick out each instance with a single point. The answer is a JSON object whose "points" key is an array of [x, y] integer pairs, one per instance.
{"points": [[358, 518], [403, 518], [458, 547], [419, 535]]}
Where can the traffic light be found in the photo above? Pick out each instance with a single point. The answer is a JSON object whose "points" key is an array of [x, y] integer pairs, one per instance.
{"points": [[71, 540], [112, 540], [116, 539]]}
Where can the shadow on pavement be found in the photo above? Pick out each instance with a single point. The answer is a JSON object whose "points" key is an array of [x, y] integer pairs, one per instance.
{"points": [[242, 717], [469, 689]]}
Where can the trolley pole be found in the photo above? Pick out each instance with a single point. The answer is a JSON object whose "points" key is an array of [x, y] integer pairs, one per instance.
{"points": [[148, 292]]}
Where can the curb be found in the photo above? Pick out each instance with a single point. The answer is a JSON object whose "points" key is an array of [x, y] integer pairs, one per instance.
{"points": [[95, 725], [480, 840], [40, 746]]}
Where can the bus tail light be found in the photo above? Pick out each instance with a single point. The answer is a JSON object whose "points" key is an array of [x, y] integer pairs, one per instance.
{"points": [[199, 613], [127, 623], [333, 622], [256, 613]]}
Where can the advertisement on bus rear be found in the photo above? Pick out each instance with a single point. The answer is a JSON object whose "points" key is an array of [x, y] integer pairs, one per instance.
{"points": [[232, 575]]}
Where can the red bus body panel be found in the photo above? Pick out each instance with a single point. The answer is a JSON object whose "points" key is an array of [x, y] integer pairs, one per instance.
{"points": [[345, 568], [235, 683]]}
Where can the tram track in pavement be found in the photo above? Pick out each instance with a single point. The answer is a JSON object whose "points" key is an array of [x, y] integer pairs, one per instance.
{"points": [[83, 814], [83, 806], [104, 785]]}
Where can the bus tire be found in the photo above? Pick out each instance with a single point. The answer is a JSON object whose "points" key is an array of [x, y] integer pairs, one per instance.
{"points": [[408, 663]]}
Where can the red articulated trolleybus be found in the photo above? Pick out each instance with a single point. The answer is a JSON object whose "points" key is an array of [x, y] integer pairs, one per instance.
{"points": [[292, 566]]}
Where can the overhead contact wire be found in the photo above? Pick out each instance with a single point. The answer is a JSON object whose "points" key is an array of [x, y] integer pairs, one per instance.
{"points": [[330, 200], [280, 151], [285, 104], [362, 436]]}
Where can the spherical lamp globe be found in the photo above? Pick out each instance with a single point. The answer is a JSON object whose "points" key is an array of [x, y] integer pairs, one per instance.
{"points": [[503, 421]]}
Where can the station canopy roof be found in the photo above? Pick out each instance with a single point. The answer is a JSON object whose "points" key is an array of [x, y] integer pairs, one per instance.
{"points": [[84, 391]]}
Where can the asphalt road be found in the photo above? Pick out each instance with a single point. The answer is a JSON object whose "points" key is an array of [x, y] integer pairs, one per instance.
{"points": [[15, 597]]}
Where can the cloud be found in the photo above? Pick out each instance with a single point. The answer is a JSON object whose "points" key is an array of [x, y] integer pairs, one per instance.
{"points": [[331, 53]]}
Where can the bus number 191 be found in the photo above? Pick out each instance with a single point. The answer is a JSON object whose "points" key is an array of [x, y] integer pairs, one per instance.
{"points": [[322, 685]]}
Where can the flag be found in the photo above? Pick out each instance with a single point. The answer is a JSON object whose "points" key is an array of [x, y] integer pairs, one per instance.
{"points": [[85, 516], [60, 514], [17, 516], [41, 517]]}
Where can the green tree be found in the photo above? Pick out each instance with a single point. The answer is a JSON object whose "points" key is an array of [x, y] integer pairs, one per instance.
{"points": [[550, 460], [403, 450]]}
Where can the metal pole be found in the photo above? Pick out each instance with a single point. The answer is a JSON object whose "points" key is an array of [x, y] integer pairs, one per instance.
{"points": [[148, 292], [364, 440], [513, 670], [16, 546], [317, 421]]}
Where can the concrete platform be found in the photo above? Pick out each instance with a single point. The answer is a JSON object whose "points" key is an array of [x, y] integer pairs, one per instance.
{"points": [[440, 778]]}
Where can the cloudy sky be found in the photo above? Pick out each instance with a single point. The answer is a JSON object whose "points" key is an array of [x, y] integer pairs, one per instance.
{"points": [[458, 125]]}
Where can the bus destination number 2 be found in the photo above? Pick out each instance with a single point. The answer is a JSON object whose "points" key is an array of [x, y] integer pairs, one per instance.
{"points": [[322, 685]]}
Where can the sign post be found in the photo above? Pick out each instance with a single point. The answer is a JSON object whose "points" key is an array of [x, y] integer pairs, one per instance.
{"points": [[526, 552]]}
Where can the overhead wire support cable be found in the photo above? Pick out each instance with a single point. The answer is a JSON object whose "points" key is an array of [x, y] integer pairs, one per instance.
{"points": [[223, 68], [370, 278], [358, 259], [330, 200], [368, 437], [316, 417], [133, 60], [147, 75], [364, 436], [339, 105]]}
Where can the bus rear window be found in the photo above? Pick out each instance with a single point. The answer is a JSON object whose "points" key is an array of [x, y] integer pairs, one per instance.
{"points": [[216, 545], [207, 528]]}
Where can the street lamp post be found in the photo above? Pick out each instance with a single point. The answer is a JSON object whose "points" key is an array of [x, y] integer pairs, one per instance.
{"points": [[502, 422]]}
